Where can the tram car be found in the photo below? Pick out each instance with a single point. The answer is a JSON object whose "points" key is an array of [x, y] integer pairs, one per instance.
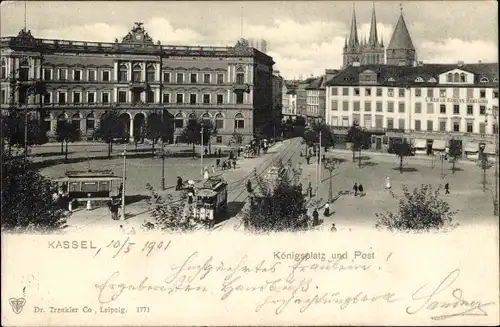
{"points": [[97, 185], [211, 198]]}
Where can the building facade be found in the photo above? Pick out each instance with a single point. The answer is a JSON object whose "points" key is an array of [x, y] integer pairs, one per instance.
{"points": [[230, 86], [289, 100], [316, 99], [431, 103], [278, 83]]}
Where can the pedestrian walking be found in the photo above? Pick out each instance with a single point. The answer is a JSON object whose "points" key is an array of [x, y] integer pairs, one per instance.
{"points": [[388, 183], [217, 163], [224, 165], [190, 198], [355, 188], [447, 188], [326, 213], [219, 152], [315, 217], [234, 164], [205, 174], [310, 190], [308, 159], [249, 186], [178, 187], [333, 228], [213, 169], [206, 151], [360, 189]]}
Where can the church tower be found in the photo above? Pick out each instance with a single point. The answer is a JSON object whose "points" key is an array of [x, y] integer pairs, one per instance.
{"points": [[401, 51], [373, 50], [352, 48]]}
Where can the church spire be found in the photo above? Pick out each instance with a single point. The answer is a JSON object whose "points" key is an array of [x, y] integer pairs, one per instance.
{"points": [[401, 37], [353, 37], [373, 40]]}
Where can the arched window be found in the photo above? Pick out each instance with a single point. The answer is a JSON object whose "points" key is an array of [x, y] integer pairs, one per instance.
{"points": [[24, 70], [239, 121], [90, 121], [219, 121], [456, 78], [62, 117], [391, 79], [179, 121], [206, 118], [463, 78], [75, 120], [432, 80], [150, 73], [123, 73], [192, 118], [3, 73], [495, 80], [47, 122], [137, 73], [449, 78], [240, 75], [484, 80], [419, 80]]}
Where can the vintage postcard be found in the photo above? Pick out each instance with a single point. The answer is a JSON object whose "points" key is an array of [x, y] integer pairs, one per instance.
{"points": [[280, 163]]}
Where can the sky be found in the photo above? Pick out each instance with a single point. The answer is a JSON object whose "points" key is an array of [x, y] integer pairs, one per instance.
{"points": [[304, 37]]}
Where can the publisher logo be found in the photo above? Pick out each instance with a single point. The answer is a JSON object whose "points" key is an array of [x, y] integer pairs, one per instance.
{"points": [[17, 304]]}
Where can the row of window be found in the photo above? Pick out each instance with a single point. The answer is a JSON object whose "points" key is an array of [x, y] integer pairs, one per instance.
{"points": [[456, 125], [91, 97], [356, 106], [401, 92], [239, 120]]}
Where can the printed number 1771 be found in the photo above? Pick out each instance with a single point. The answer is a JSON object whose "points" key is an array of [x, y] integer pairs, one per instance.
{"points": [[142, 309]]}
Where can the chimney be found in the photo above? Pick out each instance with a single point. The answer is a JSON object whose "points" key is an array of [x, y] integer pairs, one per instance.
{"points": [[460, 63]]}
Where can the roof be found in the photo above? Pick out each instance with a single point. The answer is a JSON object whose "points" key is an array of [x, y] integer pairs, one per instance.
{"points": [[316, 83], [401, 37], [404, 75]]}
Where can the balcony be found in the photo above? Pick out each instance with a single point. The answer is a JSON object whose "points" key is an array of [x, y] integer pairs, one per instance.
{"points": [[139, 86], [240, 88]]}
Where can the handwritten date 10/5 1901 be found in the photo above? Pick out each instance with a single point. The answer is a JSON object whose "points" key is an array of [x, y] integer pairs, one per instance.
{"points": [[114, 247]]}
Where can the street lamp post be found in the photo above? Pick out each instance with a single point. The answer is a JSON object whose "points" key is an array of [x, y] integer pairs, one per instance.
{"points": [[330, 166], [163, 169], [202, 149], [441, 156], [123, 181]]}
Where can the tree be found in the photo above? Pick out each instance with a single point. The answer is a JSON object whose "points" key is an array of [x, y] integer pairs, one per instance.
{"points": [[67, 132], [455, 152], [191, 134], [312, 133], [356, 136], [484, 164], [402, 149], [13, 126], [154, 130], [420, 210], [277, 205], [172, 215], [110, 127], [237, 138], [27, 203]]}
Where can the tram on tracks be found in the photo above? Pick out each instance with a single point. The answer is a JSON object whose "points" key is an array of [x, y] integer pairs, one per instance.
{"points": [[211, 198], [95, 185]]}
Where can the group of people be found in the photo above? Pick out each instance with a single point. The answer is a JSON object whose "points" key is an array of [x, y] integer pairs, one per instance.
{"points": [[226, 164], [358, 188]]}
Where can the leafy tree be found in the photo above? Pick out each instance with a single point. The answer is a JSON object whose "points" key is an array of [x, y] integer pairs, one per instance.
{"points": [[13, 126], [27, 203], [67, 132], [191, 134], [110, 127], [237, 138], [172, 215], [312, 132], [484, 164], [402, 149], [420, 210], [356, 136], [455, 152], [154, 130], [277, 205]]}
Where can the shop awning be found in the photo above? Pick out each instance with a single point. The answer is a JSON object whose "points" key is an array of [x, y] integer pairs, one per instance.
{"points": [[439, 145], [489, 149], [472, 147], [420, 143]]}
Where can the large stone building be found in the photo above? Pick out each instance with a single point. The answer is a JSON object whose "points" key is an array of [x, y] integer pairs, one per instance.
{"points": [[429, 104], [230, 86], [289, 100]]}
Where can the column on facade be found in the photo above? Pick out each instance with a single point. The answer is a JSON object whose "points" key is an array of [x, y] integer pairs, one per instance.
{"points": [[83, 125], [129, 71], [115, 94], [131, 132], [157, 71], [228, 74], [229, 96], [157, 95], [115, 72]]}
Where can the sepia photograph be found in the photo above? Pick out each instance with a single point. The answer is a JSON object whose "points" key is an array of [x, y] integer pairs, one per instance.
{"points": [[249, 162]]}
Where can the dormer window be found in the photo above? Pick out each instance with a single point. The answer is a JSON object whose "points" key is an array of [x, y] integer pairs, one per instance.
{"points": [[484, 80], [391, 79], [432, 80], [449, 78], [463, 78], [419, 80], [495, 80]]}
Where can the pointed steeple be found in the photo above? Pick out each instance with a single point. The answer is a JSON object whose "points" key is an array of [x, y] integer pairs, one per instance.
{"points": [[401, 37], [353, 37], [373, 40], [345, 43], [381, 40]]}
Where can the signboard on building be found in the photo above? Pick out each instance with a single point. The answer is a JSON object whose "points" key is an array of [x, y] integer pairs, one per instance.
{"points": [[456, 100]]}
